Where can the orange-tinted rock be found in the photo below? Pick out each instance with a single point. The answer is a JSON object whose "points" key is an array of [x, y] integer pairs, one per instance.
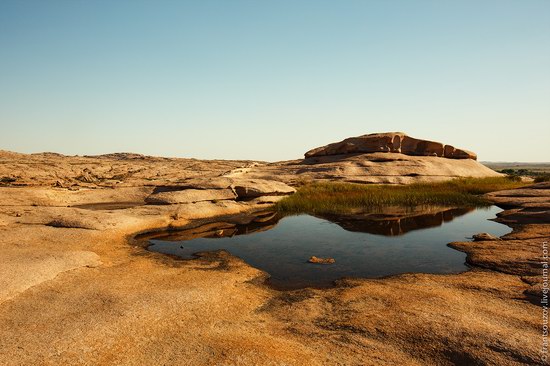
{"points": [[485, 237], [396, 142], [412, 146], [317, 260], [463, 154]]}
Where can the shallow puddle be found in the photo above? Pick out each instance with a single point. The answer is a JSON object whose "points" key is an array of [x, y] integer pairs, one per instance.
{"points": [[372, 245]]}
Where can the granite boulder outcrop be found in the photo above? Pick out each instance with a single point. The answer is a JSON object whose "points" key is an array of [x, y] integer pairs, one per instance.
{"points": [[394, 142]]}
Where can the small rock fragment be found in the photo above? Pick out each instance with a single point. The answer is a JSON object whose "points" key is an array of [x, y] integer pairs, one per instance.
{"points": [[318, 260], [484, 237]]}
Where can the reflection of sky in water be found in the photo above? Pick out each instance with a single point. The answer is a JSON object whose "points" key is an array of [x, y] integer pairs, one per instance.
{"points": [[284, 250]]}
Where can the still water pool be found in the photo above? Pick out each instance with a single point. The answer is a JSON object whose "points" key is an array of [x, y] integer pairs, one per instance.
{"points": [[371, 246]]}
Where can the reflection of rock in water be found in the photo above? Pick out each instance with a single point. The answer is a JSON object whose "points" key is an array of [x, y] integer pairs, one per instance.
{"points": [[395, 224], [391, 221], [261, 222]]}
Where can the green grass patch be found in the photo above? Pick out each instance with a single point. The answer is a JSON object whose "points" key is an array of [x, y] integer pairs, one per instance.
{"points": [[340, 198], [538, 175]]}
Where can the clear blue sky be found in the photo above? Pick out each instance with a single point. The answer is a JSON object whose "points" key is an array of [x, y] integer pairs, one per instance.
{"points": [[271, 79]]}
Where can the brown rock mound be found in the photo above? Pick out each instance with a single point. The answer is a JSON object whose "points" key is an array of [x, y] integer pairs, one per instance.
{"points": [[485, 237], [220, 188], [253, 188], [318, 260], [396, 142], [190, 196]]}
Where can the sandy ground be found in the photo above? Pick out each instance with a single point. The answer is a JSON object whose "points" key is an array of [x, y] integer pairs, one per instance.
{"points": [[75, 289]]}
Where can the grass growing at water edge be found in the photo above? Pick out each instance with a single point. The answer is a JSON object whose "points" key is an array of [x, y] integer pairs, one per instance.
{"points": [[339, 198]]}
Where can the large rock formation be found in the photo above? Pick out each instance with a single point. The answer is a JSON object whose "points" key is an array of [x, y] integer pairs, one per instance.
{"points": [[391, 157], [141, 307], [219, 189], [396, 142]]}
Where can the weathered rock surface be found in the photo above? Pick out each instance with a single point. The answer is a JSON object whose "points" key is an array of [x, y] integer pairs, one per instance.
{"points": [[520, 252], [384, 168], [396, 142], [110, 170], [220, 189], [190, 196], [253, 188], [74, 295], [484, 236], [39, 266], [130, 170], [528, 205], [316, 260]]}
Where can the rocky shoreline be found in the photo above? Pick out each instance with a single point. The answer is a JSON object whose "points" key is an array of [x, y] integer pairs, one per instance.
{"points": [[74, 291]]}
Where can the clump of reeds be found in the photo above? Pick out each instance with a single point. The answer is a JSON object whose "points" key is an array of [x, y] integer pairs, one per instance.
{"points": [[335, 198]]}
